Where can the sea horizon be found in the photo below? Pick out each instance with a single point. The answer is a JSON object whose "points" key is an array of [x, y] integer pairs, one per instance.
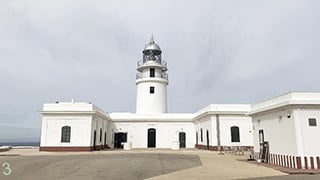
{"points": [[20, 143]]}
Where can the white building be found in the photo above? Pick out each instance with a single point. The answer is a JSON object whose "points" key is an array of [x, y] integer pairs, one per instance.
{"points": [[223, 125], [288, 123], [73, 126]]}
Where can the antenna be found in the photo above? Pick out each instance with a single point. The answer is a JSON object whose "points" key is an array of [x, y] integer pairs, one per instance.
{"points": [[151, 39]]}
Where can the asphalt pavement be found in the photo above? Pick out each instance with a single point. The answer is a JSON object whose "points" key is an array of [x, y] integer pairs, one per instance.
{"points": [[95, 166], [30, 164]]}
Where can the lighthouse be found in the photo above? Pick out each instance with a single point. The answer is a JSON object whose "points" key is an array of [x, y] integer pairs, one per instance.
{"points": [[151, 81]]}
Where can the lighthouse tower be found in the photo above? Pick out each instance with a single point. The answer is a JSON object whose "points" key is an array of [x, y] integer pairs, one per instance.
{"points": [[151, 81]]}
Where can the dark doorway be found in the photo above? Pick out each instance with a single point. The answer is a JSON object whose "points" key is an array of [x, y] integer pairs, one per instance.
{"points": [[94, 140], [196, 138], [105, 139], [182, 139], [151, 138], [207, 139], [119, 138]]}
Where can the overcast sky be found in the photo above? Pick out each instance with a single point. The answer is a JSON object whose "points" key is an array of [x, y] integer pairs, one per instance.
{"points": [[217, 52]]}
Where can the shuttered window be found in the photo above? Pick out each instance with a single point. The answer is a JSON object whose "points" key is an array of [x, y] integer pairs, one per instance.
{"points": [[312, 122], [65, 134], [235, 134]]}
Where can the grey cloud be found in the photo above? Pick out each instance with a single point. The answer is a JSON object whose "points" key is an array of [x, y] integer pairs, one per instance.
{"points": [[217, 52]]}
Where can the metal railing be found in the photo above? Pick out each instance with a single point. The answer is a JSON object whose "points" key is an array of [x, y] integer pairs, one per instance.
{"points": [[161, 62], [141, 75]]}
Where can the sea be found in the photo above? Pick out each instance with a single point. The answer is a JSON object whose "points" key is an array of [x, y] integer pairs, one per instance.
{"points": [[13, 144]]}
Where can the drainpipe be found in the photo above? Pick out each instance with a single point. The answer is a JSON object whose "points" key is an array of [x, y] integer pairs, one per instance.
{"points": [[218, 133]]}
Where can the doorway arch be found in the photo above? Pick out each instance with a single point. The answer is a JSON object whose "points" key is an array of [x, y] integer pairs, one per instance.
{"points": [[151, 138]]}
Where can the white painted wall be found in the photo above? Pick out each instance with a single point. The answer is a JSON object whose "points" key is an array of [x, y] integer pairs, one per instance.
{"points": [[166, 133], [83, 118], [271, 116], [245, 127], [151, 103], [80, 130], [209, 123], [98, 123], [205, 123], [147, 103], [68, 106], [279, 131], [310, 144]]}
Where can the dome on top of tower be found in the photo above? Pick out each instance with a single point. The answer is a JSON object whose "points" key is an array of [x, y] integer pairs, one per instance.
{"points": [[152, 47]]}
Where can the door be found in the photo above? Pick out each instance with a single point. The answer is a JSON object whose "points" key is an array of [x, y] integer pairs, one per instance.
{"points": [[94, 140], [119, 138], [151, 138], [182, 139]]}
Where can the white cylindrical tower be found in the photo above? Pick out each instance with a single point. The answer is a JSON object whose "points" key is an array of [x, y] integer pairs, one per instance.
{"points": [[151, 81]]}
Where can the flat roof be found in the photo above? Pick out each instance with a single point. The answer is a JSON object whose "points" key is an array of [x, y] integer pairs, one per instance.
{"points": [[291, 98]]}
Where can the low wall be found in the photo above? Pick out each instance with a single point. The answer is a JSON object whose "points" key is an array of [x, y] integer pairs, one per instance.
{"points": [[295, 162], [223, 148], [72, 148], [58, 149]]}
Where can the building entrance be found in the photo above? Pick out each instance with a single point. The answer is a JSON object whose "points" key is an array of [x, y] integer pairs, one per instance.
{"points": [[151, 138], [182, 139], [119, 138]]}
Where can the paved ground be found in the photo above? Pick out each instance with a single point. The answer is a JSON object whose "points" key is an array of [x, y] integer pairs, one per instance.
{"points": [[135, 164], [220, 167], [97, 166]]}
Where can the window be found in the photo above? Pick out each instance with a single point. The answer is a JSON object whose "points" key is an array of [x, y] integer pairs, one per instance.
{"points": [[65, 134], [201, 135], [100, 134], [312, 122], [235, 135], [152, 72], [151, 89]]}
